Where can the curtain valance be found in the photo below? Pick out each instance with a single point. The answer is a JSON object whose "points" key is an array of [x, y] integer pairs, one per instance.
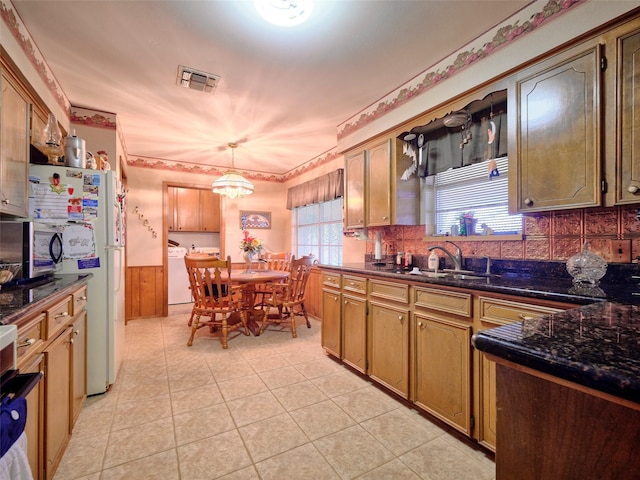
{"points": [[320, 189]]}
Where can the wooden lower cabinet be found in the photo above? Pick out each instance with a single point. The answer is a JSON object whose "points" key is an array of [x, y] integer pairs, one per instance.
{"points": [[331, 322], [389, 346], [442, 363], [35, 420], [78, 366], [57, 416], [494, 312], [354, 331], [53, 341]]}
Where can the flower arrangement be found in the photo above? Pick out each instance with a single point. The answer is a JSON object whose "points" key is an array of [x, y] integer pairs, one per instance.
{"points": [[249, 243], [467, 224]]}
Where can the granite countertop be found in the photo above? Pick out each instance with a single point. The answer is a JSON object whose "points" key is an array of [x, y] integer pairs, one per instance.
{"points": [[551, 287], [18, 300], [597, 346]]}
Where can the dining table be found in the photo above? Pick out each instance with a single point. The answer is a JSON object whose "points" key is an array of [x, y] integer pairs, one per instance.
{"points": [[248, 280]]}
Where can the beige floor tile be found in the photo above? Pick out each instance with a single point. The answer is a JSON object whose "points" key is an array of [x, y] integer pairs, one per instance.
{"points": [[142, 388], [133, 443], [298, 395], [248, 473], [85, 455], [321, 419], [339, 383], [440, 460], [398, 431], [272, 436], [281, 377], [318, 368], [269, 362], [205, 422], [130, 414], [195, 398], [161, 465], [224, 371], [213, 457], [254, 408], [241, 387], [352, 451], [365, 403], [190, 379], [304, 462], [394, 470]]}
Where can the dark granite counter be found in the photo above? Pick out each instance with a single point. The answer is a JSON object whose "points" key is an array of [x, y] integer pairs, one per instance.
{"points": [[597, 346], [19, 300], [554, 286]]}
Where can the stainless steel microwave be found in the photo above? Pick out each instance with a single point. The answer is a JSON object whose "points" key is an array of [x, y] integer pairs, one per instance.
{"points": [[37, 246]]}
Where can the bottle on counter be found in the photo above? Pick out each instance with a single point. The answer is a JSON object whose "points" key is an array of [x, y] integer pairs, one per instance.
{"points": [[434, 261], [193, 248], [408, 260], [399, 258]]}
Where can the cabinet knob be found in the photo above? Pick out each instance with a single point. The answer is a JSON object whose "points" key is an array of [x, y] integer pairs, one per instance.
{"points": [[71, 341], [420, 324], [76, 332], [5, 201], [632, 188], [528, 202], [81, 299], [525, 317], [63, 314]]}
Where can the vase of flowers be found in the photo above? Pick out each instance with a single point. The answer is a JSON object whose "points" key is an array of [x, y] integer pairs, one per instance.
{"points": [[467, 224], [250, 247]]}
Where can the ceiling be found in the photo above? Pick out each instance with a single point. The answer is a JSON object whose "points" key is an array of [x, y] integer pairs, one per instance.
{"points": [[282, 92]]}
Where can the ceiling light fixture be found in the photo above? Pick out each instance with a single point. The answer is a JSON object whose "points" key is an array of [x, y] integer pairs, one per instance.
{"points": [[284, 13], [196, 79], [231, 184]]}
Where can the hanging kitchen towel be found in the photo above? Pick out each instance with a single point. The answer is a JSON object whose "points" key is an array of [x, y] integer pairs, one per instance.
{"points": [[13, 417], [14, 465]]}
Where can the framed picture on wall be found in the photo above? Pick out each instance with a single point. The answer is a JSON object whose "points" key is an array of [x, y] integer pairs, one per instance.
{"points": [[253, 220]]}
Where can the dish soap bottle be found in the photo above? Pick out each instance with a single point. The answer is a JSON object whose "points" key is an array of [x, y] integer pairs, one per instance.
{"points": [[434, 261]]}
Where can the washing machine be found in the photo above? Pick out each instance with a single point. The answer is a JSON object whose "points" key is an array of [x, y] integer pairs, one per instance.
{"points": [[177, 279]]}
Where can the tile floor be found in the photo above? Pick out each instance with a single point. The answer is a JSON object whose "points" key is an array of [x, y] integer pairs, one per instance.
{"points": [[269, 407]]}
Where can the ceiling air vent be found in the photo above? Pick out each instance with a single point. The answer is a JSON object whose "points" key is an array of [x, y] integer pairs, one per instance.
{"points": [[197, 80]]}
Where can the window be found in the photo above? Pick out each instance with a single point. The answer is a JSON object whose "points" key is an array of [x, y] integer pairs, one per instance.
{"points": [[451, 193], [318, 231]]}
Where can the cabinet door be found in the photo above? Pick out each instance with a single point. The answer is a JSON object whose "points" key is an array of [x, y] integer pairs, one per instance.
{"points": [[443, 370], [171, 209], [355, 191], [35, 415], [379, 188], [57, 399], [79, 367], [389, 347], [556, 106], [14, 154], [187, 209], [331, 326], [209, 211], [354, 328], [628, 160]]}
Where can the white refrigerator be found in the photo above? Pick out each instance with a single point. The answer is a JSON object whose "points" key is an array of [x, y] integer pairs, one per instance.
{"points": [[88, 204]]}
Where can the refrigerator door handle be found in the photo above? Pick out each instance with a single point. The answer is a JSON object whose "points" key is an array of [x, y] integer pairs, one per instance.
{"points": [[118, 267]]}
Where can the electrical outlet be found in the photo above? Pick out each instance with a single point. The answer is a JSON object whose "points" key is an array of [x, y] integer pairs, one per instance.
{"points": [[620, 251]]}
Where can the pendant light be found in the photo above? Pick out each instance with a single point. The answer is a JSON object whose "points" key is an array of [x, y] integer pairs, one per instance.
{"points": [[232, 184]]}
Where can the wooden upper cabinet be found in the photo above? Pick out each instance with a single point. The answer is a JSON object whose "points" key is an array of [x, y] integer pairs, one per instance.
{"points": [[14, 154], [627, 158], [355, 190], [555, 157], [193, 210], [209, 211], [379, 188]]}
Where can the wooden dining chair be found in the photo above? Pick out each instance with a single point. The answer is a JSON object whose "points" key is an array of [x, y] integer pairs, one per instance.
{"points": [[285, 301], [280, 261], [216, 302]]}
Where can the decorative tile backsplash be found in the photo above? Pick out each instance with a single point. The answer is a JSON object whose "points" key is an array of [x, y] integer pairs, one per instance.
{"points": [[554, 236]]}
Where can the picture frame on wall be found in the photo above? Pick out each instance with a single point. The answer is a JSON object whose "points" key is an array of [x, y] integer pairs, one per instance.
{"points": [[251, 220]]}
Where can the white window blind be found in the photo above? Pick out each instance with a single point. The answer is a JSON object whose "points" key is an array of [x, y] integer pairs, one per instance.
{"points": [[318, 231], [449, 194]]}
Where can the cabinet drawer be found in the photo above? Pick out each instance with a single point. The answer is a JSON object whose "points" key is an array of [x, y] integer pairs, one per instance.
{"points": [[391, 291], [79, 300], [31, 337], [58, 316], [332, 280], [502, 312], [354, 284], [443, 300]]}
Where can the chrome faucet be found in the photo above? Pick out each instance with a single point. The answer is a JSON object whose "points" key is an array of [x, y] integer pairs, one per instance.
{"points": [[457, 259]]}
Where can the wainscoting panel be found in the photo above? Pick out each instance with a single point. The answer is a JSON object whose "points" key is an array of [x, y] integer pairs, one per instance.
{"points": [[144, 292]]}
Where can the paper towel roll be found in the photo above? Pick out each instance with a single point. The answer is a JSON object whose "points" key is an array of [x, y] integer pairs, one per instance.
{"points": [[378, 254]]}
